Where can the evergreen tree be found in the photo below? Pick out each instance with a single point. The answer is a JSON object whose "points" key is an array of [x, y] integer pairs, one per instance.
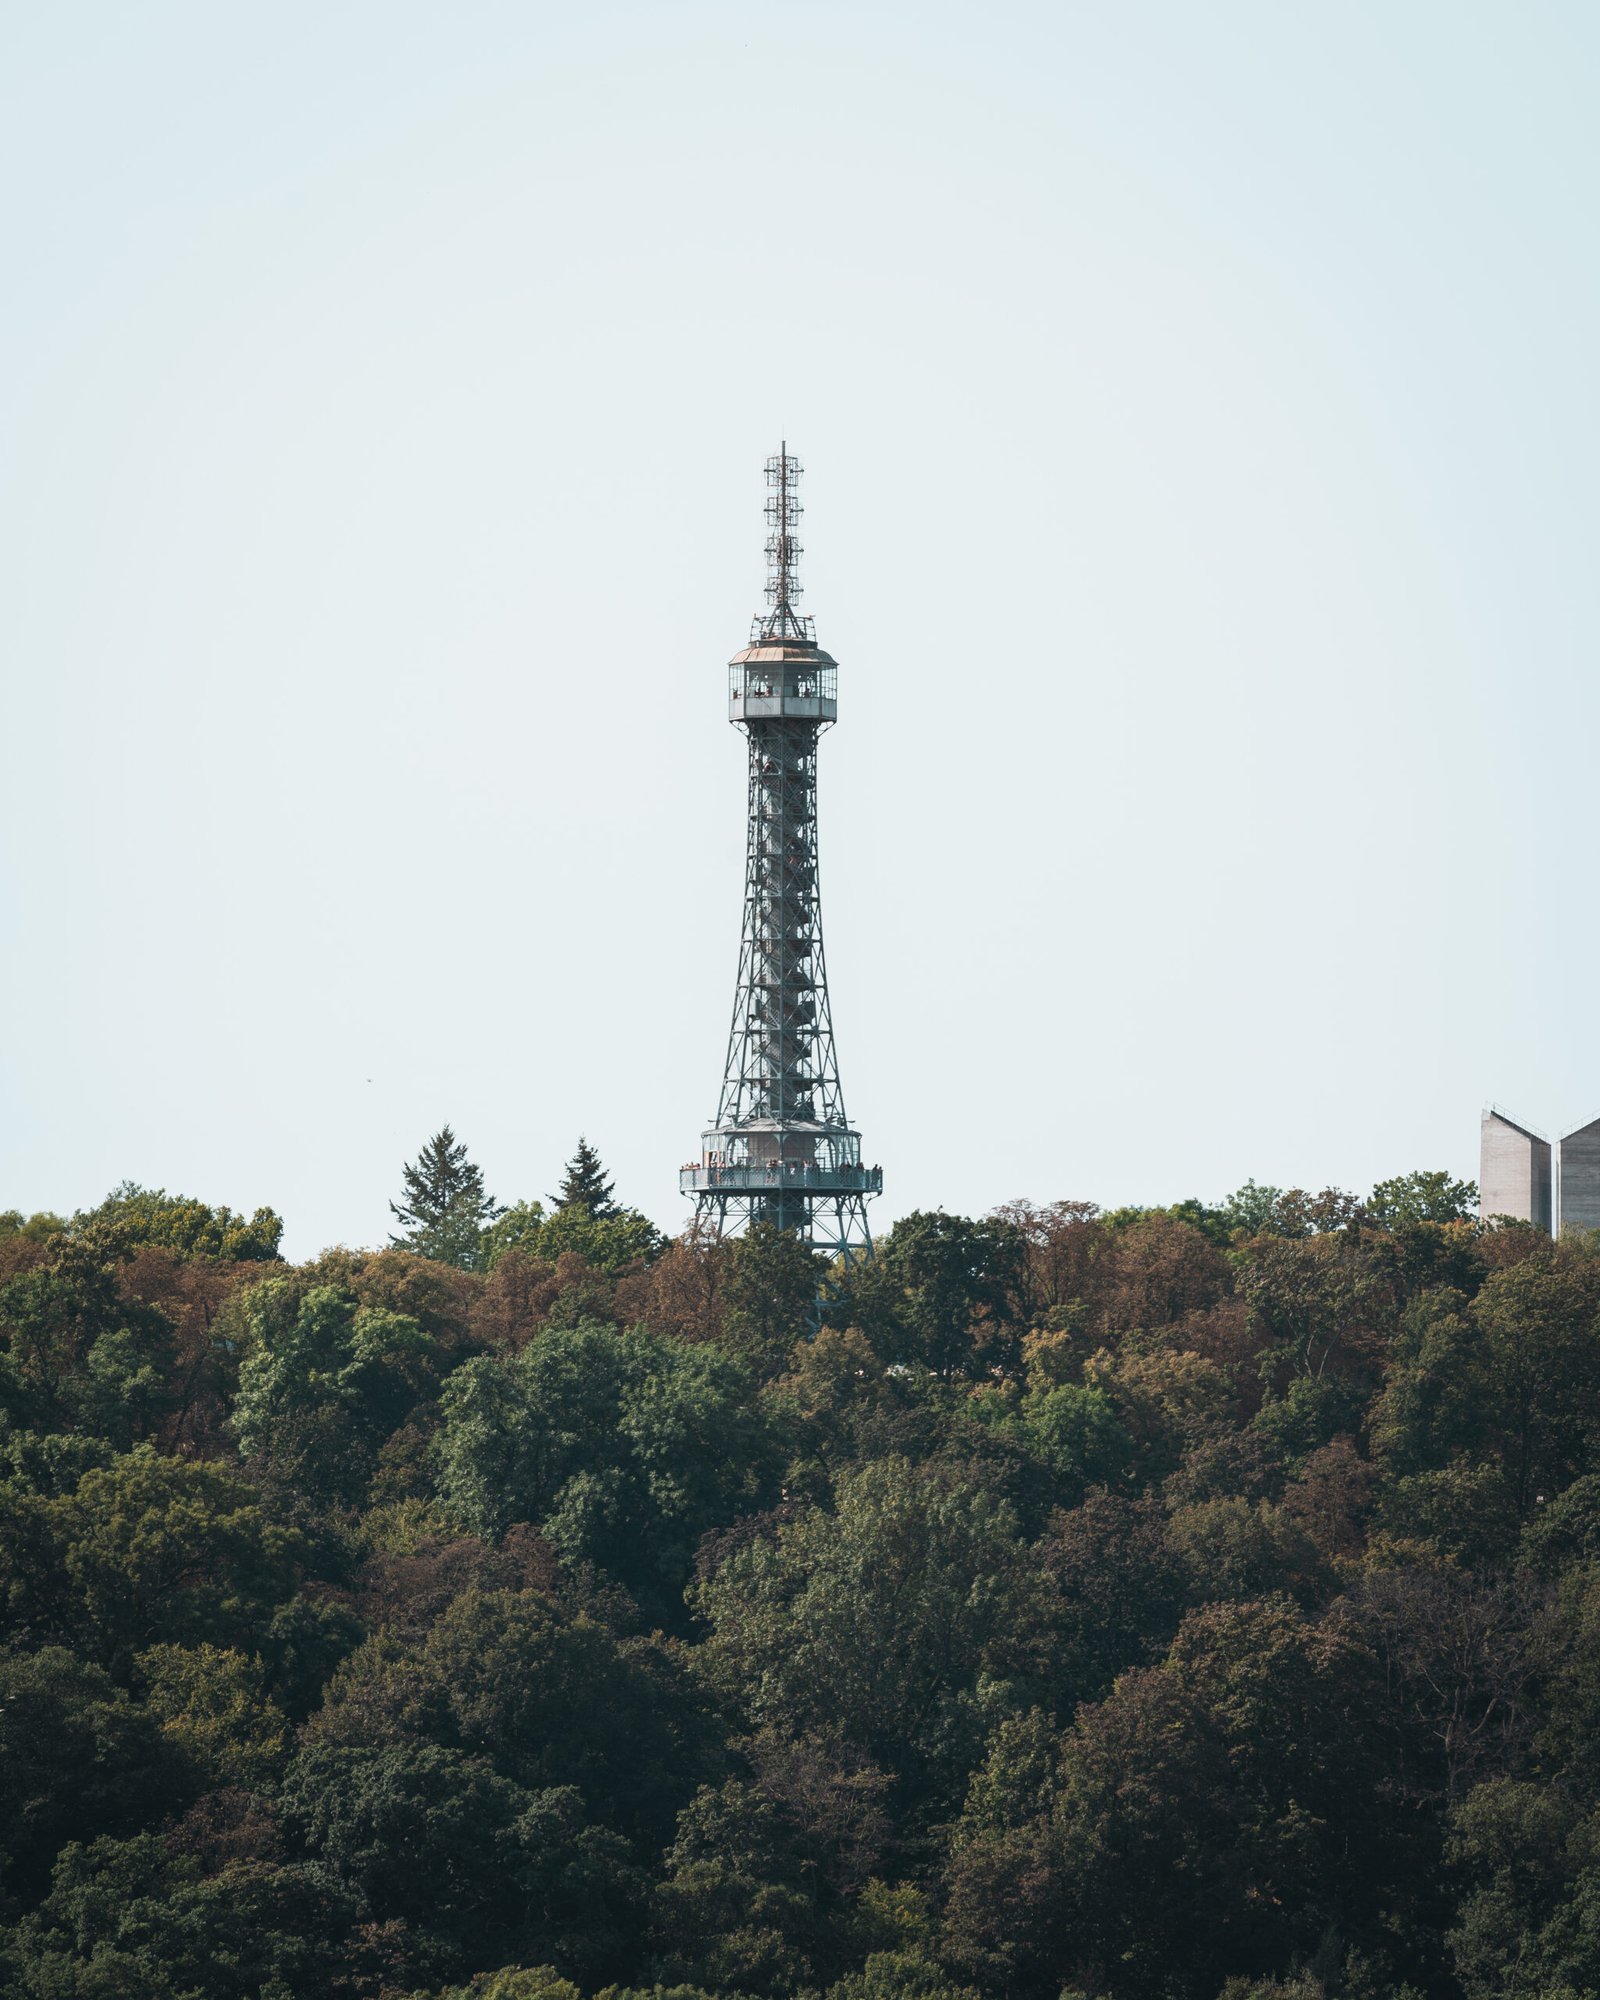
{"points": [[586, 1184], [445, 1209]]}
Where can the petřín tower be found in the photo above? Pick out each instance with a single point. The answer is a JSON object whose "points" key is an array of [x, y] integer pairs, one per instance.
{"points": [[781, 1149]]}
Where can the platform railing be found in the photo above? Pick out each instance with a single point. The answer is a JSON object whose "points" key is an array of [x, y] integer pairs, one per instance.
{"points": [[788, 1174]]}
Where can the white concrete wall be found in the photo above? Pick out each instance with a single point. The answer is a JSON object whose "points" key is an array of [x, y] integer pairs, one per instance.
{"points": [[1514, 1170], [1580, 1177]]}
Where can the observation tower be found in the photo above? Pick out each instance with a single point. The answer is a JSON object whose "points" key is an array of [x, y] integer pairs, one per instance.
{"points": [[781, 1149]]}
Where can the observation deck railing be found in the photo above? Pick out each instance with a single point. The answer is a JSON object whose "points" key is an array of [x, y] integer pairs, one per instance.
{"points": [[792, 1175]]}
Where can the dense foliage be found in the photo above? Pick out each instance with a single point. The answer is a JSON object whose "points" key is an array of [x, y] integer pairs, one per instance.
{"points": [[1163, 1605]]}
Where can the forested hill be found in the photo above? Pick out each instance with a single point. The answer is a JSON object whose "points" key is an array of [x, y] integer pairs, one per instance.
{"points": [[1186, 1602]]}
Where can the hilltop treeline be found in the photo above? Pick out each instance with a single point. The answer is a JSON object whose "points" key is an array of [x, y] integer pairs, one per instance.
{"points": [[1186, 1602]]}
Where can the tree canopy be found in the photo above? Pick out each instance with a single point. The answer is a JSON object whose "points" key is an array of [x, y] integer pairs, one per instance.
{"points": [[1182, 1603]]}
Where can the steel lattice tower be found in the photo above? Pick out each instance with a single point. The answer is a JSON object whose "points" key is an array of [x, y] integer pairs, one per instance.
{"points": [[781, 1148]]}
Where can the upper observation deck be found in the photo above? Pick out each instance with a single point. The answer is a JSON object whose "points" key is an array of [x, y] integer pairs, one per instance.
{"points": [[766, 1155], [776, 1176], [783, 680]]}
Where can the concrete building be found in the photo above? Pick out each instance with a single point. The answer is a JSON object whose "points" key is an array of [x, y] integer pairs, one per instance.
{"points": [[1514, 1170], [1580, 1178]]}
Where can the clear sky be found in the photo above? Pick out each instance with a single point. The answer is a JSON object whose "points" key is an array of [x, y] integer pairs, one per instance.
{"points": [[1199, 411]]}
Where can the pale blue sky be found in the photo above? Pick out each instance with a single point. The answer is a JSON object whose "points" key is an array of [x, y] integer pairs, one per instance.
{"points": [[1199, 412]]}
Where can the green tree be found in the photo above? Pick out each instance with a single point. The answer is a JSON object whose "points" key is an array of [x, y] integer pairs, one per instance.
{"points": [[383, 1691], [49, 1463], [557, 1700], [1311, 1412], [880, 1618], [1564, 1535], [445, 1210], [1529, 1924], [1439, 1399], [1117, 1589], [585, 1184], [77, 1355], [36, 1598], [606, 1242], [1253, 1211], [1250, 1211], [1218, 1813], [136, 1218], [517, 1227], [1514, 1376], [768, 1297], [942, 1292], [138, 1916], [302, 1643], [1188, 1601], [481, 1870], [1075, 1432], [837, 1393], [622, 1447], [1540, 1323], [325, 1382], [900, 1975], [168, 1549], [1466, 1511], [1232, 1548], [78, 1759], [522, 1982], [732, 1910], [36, 1228], [213, 1708], [1422, 1197]]}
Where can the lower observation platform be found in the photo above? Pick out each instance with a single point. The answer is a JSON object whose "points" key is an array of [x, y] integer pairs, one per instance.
{"points": [[781, 1175]]}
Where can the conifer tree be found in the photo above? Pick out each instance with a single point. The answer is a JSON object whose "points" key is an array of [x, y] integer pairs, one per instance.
{"points": [[445, 1209], [586, 1184]]}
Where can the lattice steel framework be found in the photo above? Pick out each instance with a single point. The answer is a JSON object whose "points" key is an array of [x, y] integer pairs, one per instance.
{"points": [[781, 1147]]}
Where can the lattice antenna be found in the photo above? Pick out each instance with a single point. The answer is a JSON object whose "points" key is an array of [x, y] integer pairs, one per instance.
{"points": [[783, 553]]}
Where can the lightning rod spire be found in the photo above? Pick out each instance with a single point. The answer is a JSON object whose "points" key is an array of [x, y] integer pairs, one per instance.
{"points": [[783, 553]]}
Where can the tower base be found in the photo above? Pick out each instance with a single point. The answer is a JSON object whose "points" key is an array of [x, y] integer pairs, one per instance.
{"points": [[835, 1224]]}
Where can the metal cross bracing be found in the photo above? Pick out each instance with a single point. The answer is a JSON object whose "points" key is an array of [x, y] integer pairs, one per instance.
{"points": [[781, 1148], [783, 555]]}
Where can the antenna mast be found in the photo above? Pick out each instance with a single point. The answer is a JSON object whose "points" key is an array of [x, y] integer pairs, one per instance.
{"points": [[783, 554]]}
